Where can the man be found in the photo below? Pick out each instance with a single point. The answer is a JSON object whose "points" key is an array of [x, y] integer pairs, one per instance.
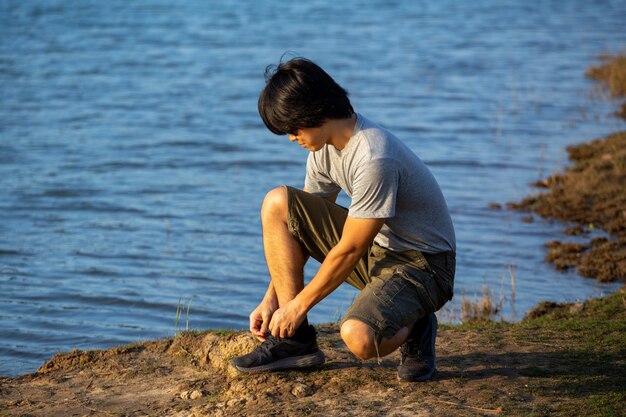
{"points": [[395, 242]]}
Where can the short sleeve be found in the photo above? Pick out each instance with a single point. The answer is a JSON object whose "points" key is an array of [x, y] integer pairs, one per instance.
{"points": [[316, 181], [375, 190]]}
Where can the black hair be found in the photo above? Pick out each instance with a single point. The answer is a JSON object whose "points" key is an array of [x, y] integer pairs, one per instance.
{"points": [[300, 94]]}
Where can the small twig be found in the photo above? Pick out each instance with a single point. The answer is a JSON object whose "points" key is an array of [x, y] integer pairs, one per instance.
{"points": [[540, 343], [495, 412]]}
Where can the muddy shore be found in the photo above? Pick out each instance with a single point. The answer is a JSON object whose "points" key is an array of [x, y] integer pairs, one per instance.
{"points": [[589, 197]]}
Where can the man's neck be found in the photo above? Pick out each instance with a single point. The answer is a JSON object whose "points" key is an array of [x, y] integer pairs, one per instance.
{"points": [[341, 131]]}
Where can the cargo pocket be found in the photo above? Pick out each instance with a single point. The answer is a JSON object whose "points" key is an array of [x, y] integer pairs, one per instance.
{"points": [[428, 303], [389, 289]]}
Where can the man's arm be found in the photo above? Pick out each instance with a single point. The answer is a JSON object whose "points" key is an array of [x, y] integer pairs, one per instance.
{"points": [[356, 238]]}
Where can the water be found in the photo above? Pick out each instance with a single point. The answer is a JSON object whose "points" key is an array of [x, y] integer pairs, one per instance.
{"points": [[133, 162]]}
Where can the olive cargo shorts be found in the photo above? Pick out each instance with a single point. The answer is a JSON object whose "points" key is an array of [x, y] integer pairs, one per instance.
{"points": [[397, 288]]}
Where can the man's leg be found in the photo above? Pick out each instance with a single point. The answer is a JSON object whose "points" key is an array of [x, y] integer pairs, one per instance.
{"points": [[296, 225], [417, 355], [416, 343], [361, 339], [284, 255], [397, 310], [381, 317]]}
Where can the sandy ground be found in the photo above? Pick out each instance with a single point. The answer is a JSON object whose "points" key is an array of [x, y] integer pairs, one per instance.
{"points": [[164, 378]]}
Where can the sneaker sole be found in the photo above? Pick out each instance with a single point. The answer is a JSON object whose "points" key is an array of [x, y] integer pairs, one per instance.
{"points": [[411, 378], [295, 362]]}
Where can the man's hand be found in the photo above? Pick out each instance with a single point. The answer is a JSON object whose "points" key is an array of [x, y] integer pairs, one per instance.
{"points": [[260, 319], [287, 319]]}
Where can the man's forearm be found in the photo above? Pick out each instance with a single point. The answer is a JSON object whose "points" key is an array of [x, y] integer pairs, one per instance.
{"points": [[337, 266], [270, 295]]}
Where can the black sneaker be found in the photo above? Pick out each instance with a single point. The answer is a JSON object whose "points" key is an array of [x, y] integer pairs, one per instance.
{"points": [[417, 354], [279, 354]]}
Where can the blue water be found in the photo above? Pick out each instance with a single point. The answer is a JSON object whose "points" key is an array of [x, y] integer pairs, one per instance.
{"points": [[133, 162]]}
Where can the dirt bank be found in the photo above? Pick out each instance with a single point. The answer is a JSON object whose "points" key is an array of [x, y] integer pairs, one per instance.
{"points": [[566, 359], [591, 194]]}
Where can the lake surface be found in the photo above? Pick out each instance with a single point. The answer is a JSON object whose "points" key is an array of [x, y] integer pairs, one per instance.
{"points": [[133, 162]]}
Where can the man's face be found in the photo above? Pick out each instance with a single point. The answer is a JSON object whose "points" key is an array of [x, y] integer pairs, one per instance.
{"points": [[310, 138]]}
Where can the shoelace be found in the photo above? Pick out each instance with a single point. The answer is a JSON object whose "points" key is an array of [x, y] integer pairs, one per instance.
{"points": [[270, 342], [265, 347], [408, 349], [285, 346]]}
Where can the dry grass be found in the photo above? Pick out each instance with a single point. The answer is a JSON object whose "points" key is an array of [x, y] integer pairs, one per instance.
{"points": [[612, 72], [488, 306], [485, 308]]}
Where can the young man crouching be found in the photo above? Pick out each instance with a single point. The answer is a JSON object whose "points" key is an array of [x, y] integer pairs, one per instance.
{"points": [[395, 242]]}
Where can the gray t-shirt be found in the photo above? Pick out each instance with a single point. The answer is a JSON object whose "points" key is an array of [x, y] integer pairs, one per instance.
{"points": [[385, 179]]}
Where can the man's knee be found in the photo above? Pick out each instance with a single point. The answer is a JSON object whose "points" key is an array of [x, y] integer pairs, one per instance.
{"points": [[275, 204], [360, 339]]}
